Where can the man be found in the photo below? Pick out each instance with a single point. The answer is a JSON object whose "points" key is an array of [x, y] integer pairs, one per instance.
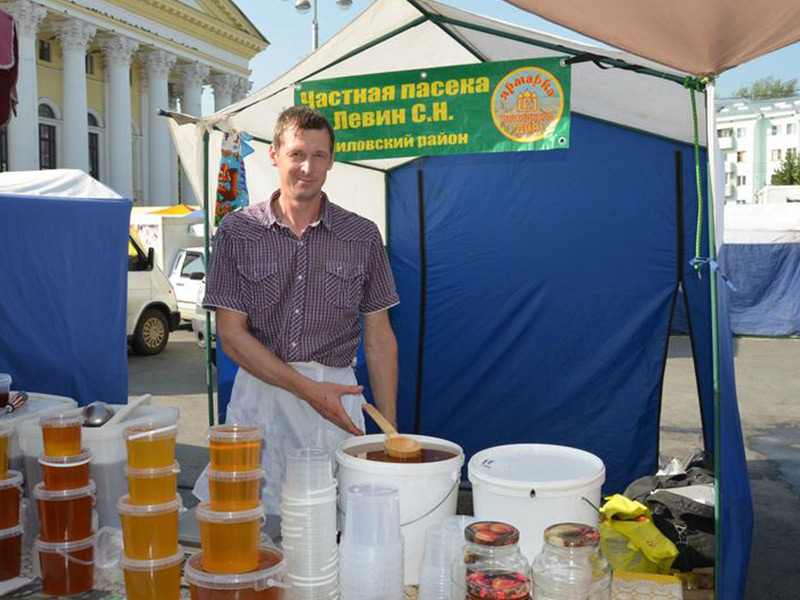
{"points": [[290, 279]]}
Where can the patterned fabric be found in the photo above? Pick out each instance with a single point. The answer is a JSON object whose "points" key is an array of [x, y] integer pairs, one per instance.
{"points": [[303, 296], [232, 192]]}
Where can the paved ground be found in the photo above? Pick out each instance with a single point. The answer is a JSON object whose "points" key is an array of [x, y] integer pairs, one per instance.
{"points": [[769, 396]]}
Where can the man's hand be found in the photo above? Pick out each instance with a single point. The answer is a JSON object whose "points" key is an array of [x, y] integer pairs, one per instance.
{"points": [[326, 398]]}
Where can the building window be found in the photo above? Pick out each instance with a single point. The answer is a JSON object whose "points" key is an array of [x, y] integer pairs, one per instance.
{"points": [[776, 155], [776, 129], [741, 132], [47, 139], [89, 64], [791, 128], [728, 177], [44, 51], [94, 155], [3, 150], [741, 156], [725, 133], [741, 180], [791, 152]]}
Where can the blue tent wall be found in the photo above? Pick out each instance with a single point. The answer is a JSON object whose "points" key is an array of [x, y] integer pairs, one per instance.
{"points": [[63, 296]]}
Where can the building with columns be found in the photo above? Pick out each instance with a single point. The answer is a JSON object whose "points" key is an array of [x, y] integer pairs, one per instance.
{"points": [[93, 75]]}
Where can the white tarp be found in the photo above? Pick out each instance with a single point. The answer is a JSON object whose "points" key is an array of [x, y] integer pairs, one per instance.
{"points": [[54, 183], [762, 224]]}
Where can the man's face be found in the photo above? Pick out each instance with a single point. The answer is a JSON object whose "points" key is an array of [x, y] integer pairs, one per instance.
{"points": [[303, 162]]}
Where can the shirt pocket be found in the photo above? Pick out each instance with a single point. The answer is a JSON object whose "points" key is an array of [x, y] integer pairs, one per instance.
{"points": [[261, 281], [344, 284]]}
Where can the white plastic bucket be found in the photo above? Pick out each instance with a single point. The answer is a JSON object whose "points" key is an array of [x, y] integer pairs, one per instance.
{"points": [[428, 491], [533, 486]]}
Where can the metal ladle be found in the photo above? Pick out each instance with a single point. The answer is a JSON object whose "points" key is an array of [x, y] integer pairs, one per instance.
{"points": [[96, 414]]}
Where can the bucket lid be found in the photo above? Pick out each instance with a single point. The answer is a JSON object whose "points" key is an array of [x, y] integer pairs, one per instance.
{"points": [[498, 584], [12, 532], [543, 467], [40, 493], [234, 476], [270, 566], [153, 473], [12, 479], [235, 433], [151, 431], [137, 510], [153, 565], [571, 535], [61, 547], [204, 513], [74, 460], [491, 533], [61, 420]]}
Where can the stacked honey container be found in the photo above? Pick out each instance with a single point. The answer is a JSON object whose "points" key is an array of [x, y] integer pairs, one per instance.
{"points": [[149, 514], [65, 499], [11, 528]]}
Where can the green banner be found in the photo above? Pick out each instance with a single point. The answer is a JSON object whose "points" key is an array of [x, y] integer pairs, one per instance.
{"points": [[489, 107]]}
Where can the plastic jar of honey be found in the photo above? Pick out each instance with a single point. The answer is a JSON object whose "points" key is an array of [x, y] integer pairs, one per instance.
{"points": [[153, 579], [235, 447], [10, 552], [234, 490], [5, 445], [65, 515], [152, 486], [61, 434], [149, 532], [151, 446], [10, 495], [230, 540], [67, 568], [66, 472], [263, 583]]}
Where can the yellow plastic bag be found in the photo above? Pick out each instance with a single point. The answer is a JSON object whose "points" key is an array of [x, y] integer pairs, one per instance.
{"points": [[629, 539]]}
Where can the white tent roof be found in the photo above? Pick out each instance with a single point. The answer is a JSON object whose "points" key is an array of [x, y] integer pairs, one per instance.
{"points": [[54, 183], [762, 224]]}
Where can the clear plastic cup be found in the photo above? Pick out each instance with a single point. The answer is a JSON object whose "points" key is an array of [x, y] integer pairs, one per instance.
{"points": [[373, 515], [61, 434], [149, 532], [65, 515], [5, 389], [153, 579], [234, 490], [5, 442], [152, 486], [434, 571], [11, 552], [66, 472], [230, 540], [235, 447], [68, 567], [151, 446], [265, 582], [10, 498], [308, 470]]}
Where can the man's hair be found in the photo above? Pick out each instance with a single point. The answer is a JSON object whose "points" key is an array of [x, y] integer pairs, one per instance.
{"points": [[300, 117]]}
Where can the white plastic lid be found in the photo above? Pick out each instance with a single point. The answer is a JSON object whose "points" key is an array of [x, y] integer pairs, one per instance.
{"points": [[5, 379], [234, 476], [151, 431], [259, 580], [61, 420], [74, 460], [138, 510], [6, 430], [235, 433], [12, 479], [12, 532], [63, 547], [204, 513], [153, 473], [153, 565], [42, 494]]}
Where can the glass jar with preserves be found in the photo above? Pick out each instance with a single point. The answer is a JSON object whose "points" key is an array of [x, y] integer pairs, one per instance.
{"points": [[498, 584], [570, 565]]}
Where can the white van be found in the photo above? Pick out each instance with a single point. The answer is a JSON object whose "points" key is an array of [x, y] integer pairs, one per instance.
{"points": [[152, 307], [186, 276]]}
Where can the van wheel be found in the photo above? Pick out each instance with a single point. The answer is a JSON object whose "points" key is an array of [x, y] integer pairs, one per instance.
{"points": [[152, 333]]}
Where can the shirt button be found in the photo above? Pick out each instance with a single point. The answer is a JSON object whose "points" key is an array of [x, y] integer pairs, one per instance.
{"points": [[297, 311], [294, 344], [299, 278]]}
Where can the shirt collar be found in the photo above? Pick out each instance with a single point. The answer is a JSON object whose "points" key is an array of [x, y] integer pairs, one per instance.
{"points": [[270, 218]]}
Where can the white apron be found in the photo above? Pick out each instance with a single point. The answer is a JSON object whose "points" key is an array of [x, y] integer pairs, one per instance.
{"points": [[289, 423]]}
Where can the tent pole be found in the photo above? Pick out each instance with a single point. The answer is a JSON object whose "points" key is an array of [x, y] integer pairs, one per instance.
{"points": [[711, 134], [206, 250]]}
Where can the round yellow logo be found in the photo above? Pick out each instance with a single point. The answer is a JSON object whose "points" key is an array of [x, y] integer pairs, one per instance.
{"points": [[527, 104]]}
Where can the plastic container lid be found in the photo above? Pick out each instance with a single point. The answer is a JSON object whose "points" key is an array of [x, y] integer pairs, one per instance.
{"points": [[42, 494], [259, 579], [61, 547], [153, 565], [491, 533], [571, 535], [152, 431], [12, 479], [12, 532], [5, 380], [235, 433], [153, 473], [6, 430], [67, 461], [234, 476], [138, 510], [204, 513], [61, 420], [498, 584]]}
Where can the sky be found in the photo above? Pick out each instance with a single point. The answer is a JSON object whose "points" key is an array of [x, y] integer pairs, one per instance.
{"points": [[289, 33]]}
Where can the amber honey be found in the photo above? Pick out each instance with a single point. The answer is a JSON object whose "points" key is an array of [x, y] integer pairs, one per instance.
{"points": [[10, 552], [152, 486], [10, 494], [64, 515], [151, 446], [149, 532], [254, 585], [234, 491], [61, 435], [5, 442], [230, 540], [66, 472], [235, 447], [67, 569], [153, 580]]}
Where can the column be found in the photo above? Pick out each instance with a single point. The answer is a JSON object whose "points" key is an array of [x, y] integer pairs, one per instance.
{"points": [[174, 194], [74, 36], [241, 89], [23, 129], [192, 78], [158, 64], [223, 89], [118, 53], [144, 102]]}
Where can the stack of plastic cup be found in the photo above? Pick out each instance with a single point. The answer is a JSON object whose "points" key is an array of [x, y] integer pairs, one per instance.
{"points": [[149, 514], [308, 525], [434, 570], [371, 552], [11, 528], [65, 501]]}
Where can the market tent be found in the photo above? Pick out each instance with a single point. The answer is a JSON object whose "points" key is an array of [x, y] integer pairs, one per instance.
{"points": [[63, 267], [537, 288]]}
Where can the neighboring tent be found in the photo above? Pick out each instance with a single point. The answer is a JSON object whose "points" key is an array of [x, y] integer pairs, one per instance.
{"points": [[537, 288], [63, 268]]}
